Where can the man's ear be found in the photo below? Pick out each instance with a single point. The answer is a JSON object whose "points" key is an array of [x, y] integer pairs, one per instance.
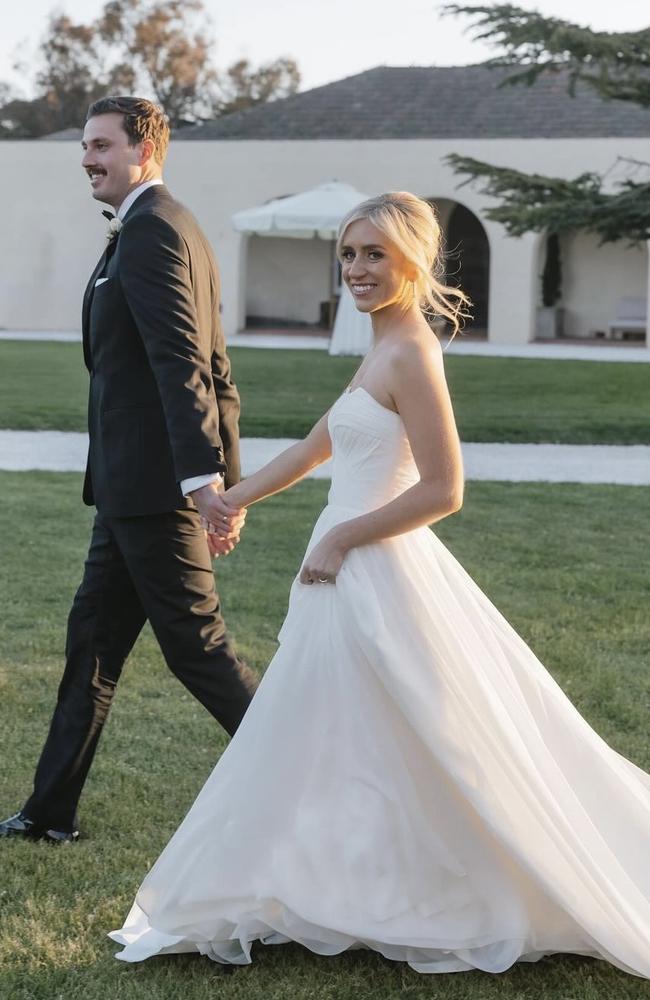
{"points": [[147, 151]]}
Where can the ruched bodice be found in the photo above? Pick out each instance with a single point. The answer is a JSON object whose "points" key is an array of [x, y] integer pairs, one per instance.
{"points": [[371, 456]]}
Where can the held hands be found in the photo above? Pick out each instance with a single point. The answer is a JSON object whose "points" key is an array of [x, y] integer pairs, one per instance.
{"points": [[222, 521], [324, 561]]}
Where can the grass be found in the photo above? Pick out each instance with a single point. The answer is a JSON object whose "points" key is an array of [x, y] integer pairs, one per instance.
{"points": [[43, 386], [561, 562]]}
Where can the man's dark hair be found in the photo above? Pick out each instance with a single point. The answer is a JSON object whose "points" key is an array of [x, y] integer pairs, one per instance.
{"points": [[141, 119]]}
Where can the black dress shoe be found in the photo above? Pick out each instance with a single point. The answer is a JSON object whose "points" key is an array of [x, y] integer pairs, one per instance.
{"points": [[60, 836], [21, 826], [17, 826]]}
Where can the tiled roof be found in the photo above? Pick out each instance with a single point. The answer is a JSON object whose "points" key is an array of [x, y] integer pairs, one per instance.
{"points": [[420, 102], [423, 102], [65, 133]]}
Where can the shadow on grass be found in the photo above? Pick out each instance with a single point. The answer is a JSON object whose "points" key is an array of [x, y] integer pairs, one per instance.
{"points": [[289, 971]]}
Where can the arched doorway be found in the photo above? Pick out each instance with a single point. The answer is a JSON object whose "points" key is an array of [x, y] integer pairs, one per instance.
{"points": [[468, 263]]}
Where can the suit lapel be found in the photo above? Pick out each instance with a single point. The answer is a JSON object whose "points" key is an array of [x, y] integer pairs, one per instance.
{"points": [[85, 310], [150, 194], [88, 300]]}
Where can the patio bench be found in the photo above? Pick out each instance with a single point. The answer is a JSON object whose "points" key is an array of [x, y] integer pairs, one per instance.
{"points": [[631, 316]]}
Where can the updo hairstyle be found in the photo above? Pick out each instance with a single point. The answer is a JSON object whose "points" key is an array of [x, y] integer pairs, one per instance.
{"points": [[410, 223]]}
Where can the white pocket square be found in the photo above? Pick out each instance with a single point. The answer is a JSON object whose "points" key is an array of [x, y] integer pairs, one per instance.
{"points": [[100, 281]]}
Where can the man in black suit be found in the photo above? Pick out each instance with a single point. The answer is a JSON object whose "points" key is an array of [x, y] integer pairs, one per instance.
{"points": [[163, 425]]}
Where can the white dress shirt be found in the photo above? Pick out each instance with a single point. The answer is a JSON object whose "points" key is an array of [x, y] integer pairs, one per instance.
{"points": [[196, 482]]}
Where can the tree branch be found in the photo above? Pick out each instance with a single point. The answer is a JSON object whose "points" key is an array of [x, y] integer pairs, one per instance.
{"points": [[534, 203], [616, 65]]}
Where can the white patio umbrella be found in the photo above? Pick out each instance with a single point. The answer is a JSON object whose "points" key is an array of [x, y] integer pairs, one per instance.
{"points": [[314, 214]]}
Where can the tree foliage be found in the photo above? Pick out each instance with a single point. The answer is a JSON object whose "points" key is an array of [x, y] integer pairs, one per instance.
{"points": [[535, 203], [617, 64], [243, 85], [21, 119], [618, 67], [71, 74], [552, 273], [160, 49]]}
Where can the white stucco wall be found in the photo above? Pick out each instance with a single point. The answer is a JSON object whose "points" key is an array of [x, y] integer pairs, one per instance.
{"points": [[287, 279], [53, 230], [595, 277], [51, 235]]}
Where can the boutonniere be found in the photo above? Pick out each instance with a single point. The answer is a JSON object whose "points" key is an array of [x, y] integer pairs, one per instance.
{"points": [[114, 226]]}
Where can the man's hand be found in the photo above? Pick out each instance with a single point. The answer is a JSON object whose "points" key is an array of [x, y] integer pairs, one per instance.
{"points": [[221, 518], [218, 546]]}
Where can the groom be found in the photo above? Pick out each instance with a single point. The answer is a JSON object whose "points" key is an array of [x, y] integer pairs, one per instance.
{"points": [[162, 420]]}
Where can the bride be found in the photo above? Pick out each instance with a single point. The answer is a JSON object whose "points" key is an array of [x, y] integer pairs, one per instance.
{"points": [[408, 778]]}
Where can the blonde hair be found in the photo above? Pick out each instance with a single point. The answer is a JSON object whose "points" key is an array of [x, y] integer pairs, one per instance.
{"points": [[410, 223]]}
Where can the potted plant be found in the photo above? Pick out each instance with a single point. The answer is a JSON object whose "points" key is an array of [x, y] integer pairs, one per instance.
{"points": [[550, 316]]}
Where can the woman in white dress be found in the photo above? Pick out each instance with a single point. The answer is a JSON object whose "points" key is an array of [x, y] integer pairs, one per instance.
{"points": [[408, 778]]}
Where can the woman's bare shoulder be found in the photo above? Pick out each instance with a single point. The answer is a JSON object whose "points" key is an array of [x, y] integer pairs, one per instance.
{"points": [[417, 348]]}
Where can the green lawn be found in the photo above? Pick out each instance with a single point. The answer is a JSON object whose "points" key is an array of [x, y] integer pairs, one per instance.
{"points": [[561, 562], [44, 385]]}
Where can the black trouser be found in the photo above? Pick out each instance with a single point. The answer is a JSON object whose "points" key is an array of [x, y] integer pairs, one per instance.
{"points": [[156, 567]]}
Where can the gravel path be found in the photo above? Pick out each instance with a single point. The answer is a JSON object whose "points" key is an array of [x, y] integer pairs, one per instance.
{"points": [[548, 351], [552, 463]]}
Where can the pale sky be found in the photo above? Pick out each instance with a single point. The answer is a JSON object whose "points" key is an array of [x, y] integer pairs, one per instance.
{"points": [[329, 39]]}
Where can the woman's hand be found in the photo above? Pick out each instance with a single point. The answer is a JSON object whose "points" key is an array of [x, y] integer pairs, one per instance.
{"points": [[325, 560], [219, 516], [231, 497]]}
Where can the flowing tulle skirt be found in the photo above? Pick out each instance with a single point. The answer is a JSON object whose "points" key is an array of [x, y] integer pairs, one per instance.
{"points": [[410, 779]]}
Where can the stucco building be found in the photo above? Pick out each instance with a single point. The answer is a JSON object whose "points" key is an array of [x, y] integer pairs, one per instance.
{"points": [[387, 128]]}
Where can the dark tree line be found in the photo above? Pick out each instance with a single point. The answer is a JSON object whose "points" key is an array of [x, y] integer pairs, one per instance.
{"points": [[161, 49]]}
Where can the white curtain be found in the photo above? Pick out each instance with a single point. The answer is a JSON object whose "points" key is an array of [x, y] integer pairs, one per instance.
{"points": [[352, 333]]}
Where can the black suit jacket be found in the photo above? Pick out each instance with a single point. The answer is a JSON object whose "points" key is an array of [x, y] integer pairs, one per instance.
{"points": [[162, 405]]}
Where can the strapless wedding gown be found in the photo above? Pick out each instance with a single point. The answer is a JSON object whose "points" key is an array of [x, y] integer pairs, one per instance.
{"points": [[408, 777]]}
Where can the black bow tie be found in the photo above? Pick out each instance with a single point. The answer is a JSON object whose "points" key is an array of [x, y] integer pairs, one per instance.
{"points": [[108, 215]]}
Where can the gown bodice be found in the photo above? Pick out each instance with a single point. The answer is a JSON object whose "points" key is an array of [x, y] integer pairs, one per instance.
{"points": [[372, 461]]}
